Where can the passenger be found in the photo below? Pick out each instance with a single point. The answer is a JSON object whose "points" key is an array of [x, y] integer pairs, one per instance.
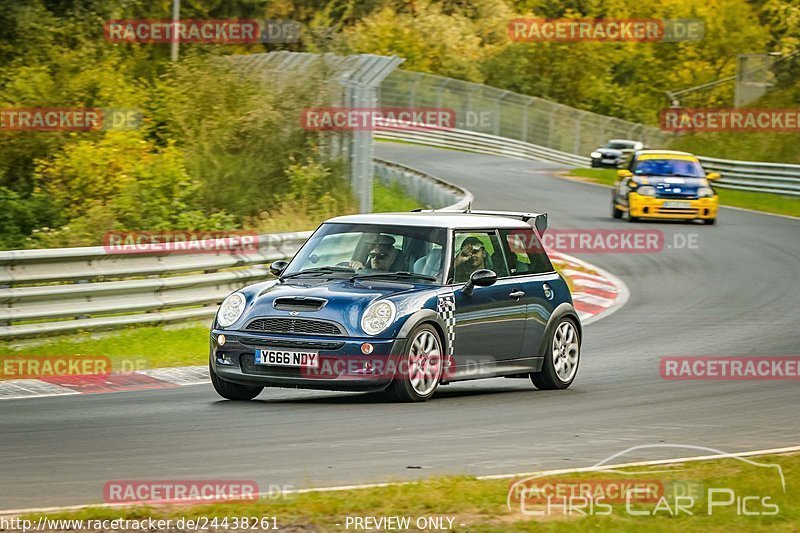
{"points": [[470, 258]]}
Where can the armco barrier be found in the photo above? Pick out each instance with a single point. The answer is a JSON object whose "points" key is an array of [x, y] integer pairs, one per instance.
{"points": [[528, 127], [483, 143], [753, 176], [69, 289], [778, 178]]}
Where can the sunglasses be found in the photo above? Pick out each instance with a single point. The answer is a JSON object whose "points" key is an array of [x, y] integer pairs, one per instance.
{"points": [[378, 256]]}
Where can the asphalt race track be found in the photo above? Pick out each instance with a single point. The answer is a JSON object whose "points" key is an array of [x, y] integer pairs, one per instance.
{"points": [[736, 294]]}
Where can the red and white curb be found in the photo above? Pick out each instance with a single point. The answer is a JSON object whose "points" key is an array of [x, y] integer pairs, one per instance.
{"points": [[156, 378], [596, 294]]}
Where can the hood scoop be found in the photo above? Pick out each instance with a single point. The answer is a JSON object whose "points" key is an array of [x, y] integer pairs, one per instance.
{"points": [[298, 303]]}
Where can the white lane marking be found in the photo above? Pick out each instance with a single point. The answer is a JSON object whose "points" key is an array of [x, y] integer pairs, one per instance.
{"points": [[790, 217], [17, 512], [771, 451]]}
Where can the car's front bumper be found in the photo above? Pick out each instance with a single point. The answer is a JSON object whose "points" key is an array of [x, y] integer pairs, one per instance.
{"points": [[652, 207], [341, 366]]}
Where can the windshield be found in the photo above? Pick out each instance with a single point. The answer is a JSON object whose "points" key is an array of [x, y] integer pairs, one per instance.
{"points": [[616, 145], [669, 167], [366, 249]]}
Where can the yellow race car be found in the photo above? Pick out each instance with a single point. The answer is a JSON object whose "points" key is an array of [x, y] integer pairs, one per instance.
{"points": [[665, 184]]}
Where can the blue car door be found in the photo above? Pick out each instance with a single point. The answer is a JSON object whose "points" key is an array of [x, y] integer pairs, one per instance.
{"points": [[490, 321]]}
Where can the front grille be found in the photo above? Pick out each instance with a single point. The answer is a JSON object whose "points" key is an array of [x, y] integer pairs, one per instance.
{"points": [[677, 196], [248, 365], [295, 326], [676, 211]]}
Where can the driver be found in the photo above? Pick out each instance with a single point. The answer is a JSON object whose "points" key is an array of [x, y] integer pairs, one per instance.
{"points": [[381, 256], [470, 258]]}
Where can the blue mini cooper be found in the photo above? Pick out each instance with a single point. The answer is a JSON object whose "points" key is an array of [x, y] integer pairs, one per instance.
{"points": [[404, 302]]}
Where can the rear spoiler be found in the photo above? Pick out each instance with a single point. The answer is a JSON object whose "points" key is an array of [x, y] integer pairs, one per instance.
{"points": [[539, 219]]}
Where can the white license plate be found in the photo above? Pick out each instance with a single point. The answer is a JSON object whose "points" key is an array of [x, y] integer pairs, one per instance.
{"points": [[684, 205], [287, 358], [609, 160]]}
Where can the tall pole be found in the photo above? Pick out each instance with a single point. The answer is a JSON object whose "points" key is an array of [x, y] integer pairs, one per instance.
{"points": [[176, 17]]}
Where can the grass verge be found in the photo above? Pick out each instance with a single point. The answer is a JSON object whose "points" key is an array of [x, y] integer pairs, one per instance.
{"points": [[134, 348], [480, 505], [769, 203]]}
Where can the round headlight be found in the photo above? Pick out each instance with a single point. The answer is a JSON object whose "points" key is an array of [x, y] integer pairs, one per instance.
{"points": [[647, 190], [595, 155], [231, 309], [705, 192], [378, 317]]}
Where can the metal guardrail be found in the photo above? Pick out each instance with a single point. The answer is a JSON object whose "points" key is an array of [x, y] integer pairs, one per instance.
{"points": [[741, 175], [482, 143], [64, 290], [778, 178], [430, 191], [494, 121]]}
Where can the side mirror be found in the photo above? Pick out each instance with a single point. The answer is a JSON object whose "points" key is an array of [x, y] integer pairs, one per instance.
{"points": [[713, 176], [480, 278], [624, 173], [278, 267]]}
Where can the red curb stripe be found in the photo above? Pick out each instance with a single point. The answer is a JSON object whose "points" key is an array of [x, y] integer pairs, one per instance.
{"points": [[114, 382], [588, 308], [611, 295]]}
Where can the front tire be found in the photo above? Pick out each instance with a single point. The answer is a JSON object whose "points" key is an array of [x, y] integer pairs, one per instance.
{"points": [[420, 367], [709, 221], [616, 213], [233, 391], [562, 358]]}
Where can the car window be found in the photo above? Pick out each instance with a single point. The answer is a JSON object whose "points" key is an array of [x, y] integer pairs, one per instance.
{"points": [[373, 248], [619, 146], [474, 250], [669, 167], [526, 255]]}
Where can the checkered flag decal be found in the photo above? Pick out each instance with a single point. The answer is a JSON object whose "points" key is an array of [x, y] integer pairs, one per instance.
{"points": [[446, 307]]}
